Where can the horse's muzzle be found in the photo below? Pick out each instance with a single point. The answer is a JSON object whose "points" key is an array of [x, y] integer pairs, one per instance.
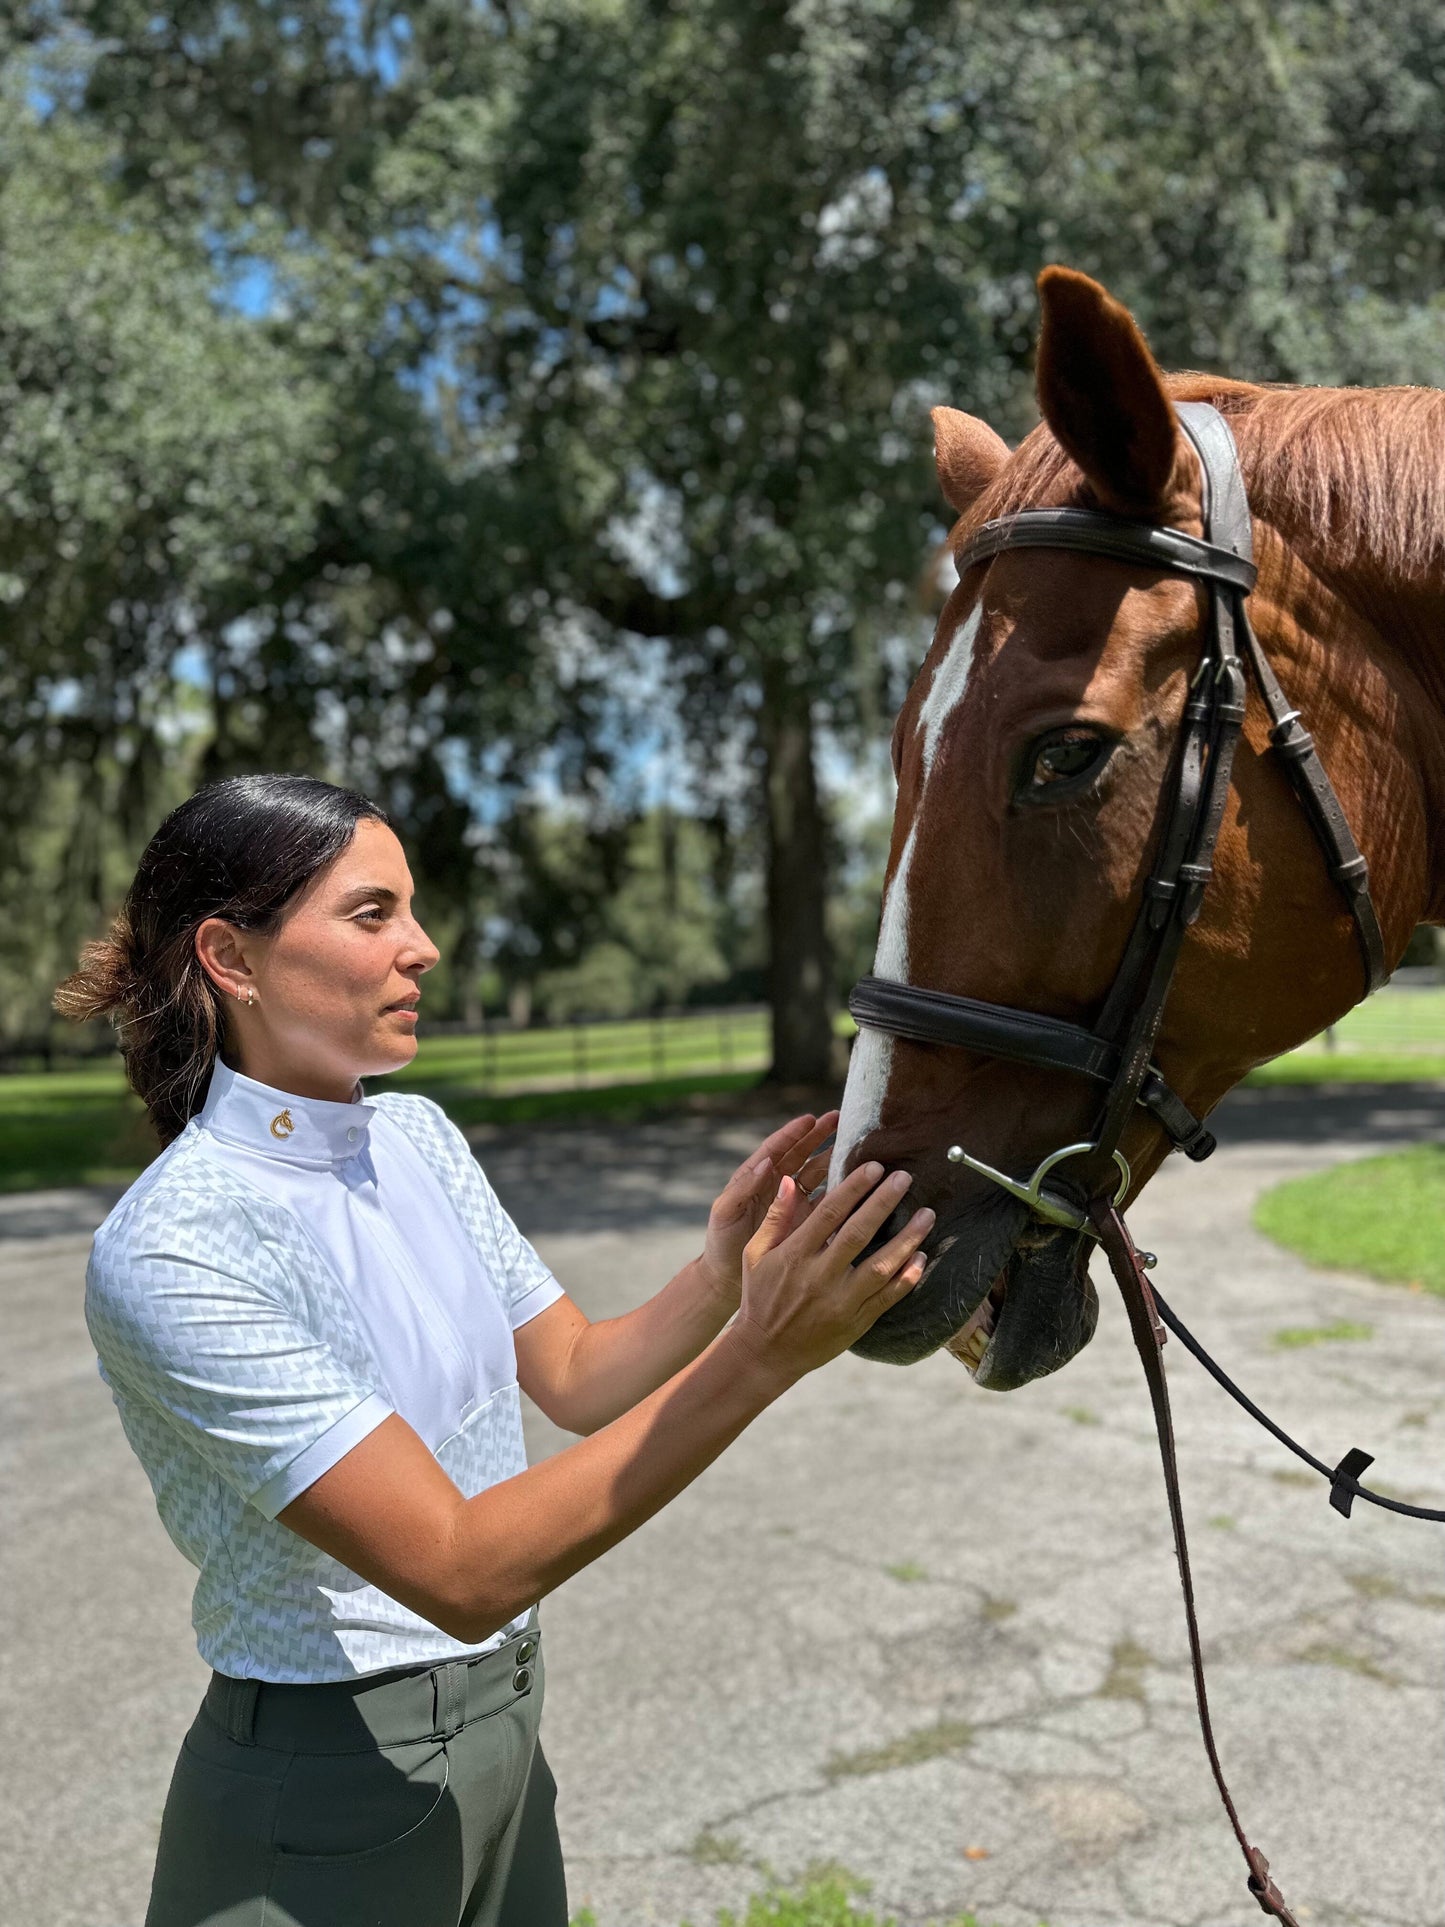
{"points": [[1043, 1307]]}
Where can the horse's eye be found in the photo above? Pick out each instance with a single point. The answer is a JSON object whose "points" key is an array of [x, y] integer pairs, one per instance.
{"points": [[1066, 756]]}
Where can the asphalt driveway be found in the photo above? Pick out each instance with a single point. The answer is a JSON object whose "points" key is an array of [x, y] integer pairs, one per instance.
{"points": [[903, 1626]]}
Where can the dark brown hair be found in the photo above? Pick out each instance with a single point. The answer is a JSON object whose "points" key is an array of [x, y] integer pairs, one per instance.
{"points": [[240, 849]]}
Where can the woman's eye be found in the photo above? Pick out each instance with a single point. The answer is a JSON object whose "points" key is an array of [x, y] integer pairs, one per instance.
{"points": [[1066, 758]]}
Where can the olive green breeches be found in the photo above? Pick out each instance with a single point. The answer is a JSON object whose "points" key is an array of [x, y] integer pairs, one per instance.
{"points": [[403, 1800]]}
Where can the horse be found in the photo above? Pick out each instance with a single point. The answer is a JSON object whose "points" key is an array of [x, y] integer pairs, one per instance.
{"points": [[1035, 756]]}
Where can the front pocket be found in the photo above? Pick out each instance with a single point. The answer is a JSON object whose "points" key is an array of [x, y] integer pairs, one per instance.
{"points": [[416, 1879], [348, 1806]]}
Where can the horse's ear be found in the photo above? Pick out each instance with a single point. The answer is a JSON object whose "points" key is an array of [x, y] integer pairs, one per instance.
{"points": [[968, 455], [1101, 392]]}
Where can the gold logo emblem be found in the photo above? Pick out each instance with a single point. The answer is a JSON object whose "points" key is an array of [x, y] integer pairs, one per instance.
{"points": [[281, 1125]]}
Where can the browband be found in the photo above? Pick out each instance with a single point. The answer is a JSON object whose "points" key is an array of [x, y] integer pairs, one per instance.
{"points": [[1089, 532]]}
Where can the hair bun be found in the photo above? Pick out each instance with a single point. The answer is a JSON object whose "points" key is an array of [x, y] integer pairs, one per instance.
{"points": [[107, 980]]}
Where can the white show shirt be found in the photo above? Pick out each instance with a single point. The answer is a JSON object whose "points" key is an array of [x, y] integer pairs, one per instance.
{"points": [[284, 1276]]}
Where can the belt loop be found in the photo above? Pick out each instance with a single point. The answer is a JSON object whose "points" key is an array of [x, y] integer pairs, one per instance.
{"points": [[241, 1697], [449, 1699]]}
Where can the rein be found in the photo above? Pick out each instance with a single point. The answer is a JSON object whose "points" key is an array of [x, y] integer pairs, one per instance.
{"points": [[1117, 1052], [1126, 1263]]}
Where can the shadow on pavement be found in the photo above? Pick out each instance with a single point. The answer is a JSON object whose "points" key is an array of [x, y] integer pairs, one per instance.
{"points": [[565, 1178], [599, 1176]]}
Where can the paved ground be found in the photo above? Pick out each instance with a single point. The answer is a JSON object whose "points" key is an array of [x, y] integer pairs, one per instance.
{"points": [[904, 1626]]}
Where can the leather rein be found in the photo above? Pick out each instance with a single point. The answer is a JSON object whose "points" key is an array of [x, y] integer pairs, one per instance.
{"points": [[1117, 1052]]}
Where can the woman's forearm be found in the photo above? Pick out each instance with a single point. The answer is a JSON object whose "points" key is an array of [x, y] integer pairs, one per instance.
{"points": [[516, 1541], [469, 1565], [616, 1362], [388, 1510]]}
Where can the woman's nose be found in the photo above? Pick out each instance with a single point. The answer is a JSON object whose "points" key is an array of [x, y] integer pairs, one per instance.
{"points": [[421, 954]]}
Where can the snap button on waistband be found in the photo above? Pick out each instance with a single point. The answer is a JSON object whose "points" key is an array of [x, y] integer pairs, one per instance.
{"points": [[522, 1679], [525, 1651]]}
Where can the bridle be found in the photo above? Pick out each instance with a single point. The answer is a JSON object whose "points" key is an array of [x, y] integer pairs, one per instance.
{"points": [[1117, 1052]]}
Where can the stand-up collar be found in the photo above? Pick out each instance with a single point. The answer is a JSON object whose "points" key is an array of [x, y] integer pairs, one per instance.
{"points": [[299, 1130]]}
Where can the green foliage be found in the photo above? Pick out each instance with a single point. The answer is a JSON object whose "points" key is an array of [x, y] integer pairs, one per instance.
{"points": [[934, 1742], [629, 918], [1341, 1331], [907, 1572], [830, 1898], [1364, 1067], [371, 379], [1384, 1216]]}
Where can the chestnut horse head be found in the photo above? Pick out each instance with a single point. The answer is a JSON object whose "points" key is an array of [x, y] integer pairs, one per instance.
{"points": [[1035, 757]]}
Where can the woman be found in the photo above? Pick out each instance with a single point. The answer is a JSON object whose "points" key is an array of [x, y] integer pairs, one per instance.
{"points": [[314, 1317]]}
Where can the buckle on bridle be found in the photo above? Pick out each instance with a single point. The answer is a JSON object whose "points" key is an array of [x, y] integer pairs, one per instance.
{"points": [[1047, 1205]]}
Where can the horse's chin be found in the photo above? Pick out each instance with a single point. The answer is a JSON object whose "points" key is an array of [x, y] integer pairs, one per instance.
{"points": [[1040, 1311], [1010, 1299]]}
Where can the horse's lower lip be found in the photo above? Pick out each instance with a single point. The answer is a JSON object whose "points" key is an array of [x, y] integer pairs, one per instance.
{"points": [[969, 1343]]}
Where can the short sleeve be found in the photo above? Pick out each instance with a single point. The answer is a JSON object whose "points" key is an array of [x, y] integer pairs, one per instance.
{"points": [[527, 1281], [190, 1315]]}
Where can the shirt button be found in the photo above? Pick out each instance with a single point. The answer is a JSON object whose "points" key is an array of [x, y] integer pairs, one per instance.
{"points": [[352, 1135]]}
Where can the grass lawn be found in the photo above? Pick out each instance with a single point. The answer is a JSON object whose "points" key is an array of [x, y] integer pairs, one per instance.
{"points": [[81, 1127], [74, 1127], [84, 1127], [828, 1899], [1397, 1037], [1384, 1216], [1312, 1066]]}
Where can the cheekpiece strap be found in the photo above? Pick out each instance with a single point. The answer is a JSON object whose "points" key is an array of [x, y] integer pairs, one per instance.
{"points": [[1227, 518]]}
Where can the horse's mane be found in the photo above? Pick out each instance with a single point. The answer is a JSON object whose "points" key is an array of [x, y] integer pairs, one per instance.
{"points": [[1363, 466]]}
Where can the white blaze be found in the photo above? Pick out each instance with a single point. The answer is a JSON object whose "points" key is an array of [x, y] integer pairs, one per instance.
{"points": [[947, 690], [871, 1064], [872, 1059]]}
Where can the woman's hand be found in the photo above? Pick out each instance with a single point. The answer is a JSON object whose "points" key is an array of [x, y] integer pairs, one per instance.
{"points": [[804, 1298], [795, 1151]]}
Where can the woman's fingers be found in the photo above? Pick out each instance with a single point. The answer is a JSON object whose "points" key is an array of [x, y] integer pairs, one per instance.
{"points": [[814, 1170], [899, 1249], [861, 1226], [742, 1195], [830, 1212], [854, 1209], [806, 1149], [891, 1290], [779, 1221], [778, 1146]]}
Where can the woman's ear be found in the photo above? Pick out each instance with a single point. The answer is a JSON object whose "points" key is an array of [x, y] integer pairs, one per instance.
{"points": [[1101, 392], [219, 953], [968, 456]]}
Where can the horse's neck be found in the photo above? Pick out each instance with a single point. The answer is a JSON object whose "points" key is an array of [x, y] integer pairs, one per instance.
{"points": [[1408, 617], [1371, 622]]}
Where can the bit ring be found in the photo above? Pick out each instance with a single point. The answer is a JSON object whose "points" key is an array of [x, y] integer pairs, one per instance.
{"points": [[1048, 1205]]}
